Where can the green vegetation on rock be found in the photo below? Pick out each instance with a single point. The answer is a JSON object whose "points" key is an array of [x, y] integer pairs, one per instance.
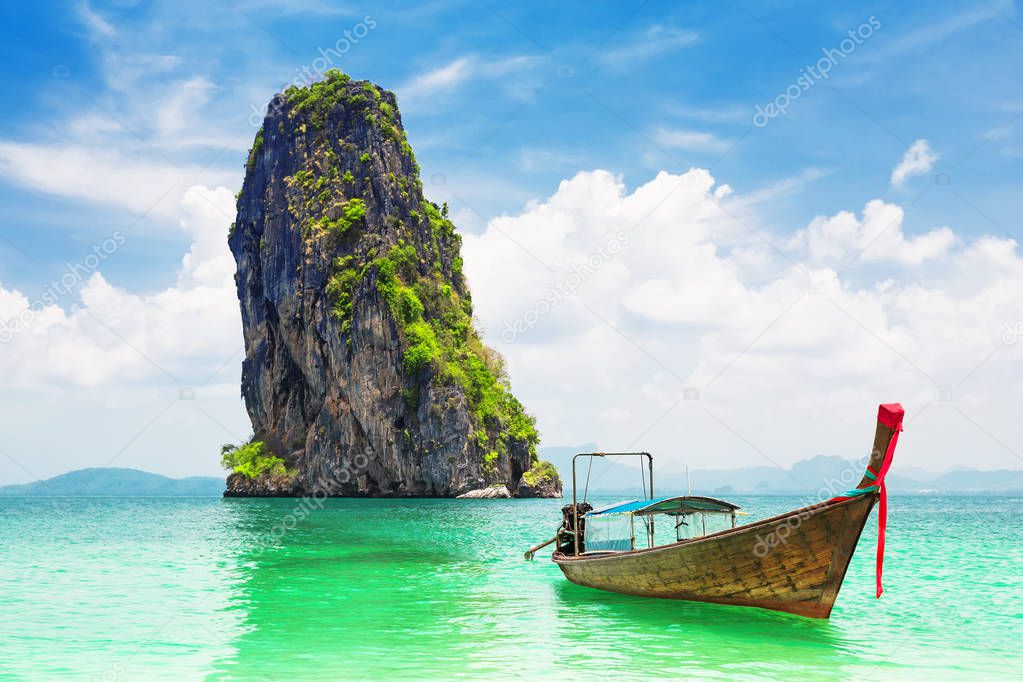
{"points": [[257, 146], [352, 212], [436, 323], [540, 471], [340, 289], [316, 99], [318, 203], [253, 460]]}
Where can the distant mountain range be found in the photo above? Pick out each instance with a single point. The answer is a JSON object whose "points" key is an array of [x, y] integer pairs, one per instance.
{"points": [[819, 476], [822, 475], [116, 482]]}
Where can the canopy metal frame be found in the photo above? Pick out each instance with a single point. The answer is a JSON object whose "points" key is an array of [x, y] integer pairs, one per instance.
{"points": [[591, 455]]}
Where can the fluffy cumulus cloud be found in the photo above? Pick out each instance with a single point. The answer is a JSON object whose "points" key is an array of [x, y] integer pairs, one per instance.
{"points": [[669, 318], [877, 235], [919, 158], [99, 374], [84, 331]]}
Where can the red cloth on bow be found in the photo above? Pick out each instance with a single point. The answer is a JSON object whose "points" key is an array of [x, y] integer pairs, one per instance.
{"points": [[891, 416]]}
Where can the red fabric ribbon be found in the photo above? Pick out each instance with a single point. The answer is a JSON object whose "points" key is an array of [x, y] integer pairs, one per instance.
{"points": [[891, 416]]}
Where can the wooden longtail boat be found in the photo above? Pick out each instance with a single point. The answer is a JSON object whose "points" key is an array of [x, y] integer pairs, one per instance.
{"points": [[793, 562]]}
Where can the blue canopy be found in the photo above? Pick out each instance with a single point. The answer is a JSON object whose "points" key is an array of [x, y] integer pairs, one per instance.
{"points": [[679, 504]]}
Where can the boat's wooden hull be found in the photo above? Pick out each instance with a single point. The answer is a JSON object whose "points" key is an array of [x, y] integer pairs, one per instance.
{"points": [[793, 562]]}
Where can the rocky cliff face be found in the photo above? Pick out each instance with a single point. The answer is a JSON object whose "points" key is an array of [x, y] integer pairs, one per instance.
{"points": [[363, 370]]}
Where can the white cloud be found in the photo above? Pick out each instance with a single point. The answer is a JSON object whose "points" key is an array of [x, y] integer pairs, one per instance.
{"points": [[919, 158], [686, 302], [652, 42], [182, 104], [926, 35], [786, 186], [878, 235], [448, 78], [691, 140], [163, 98], [128, 72], [206, 215], [695, 300], [442, 78], [145, 379], [532, 159], [98, 27], [724, 113], [91, 333], [105, 176]]}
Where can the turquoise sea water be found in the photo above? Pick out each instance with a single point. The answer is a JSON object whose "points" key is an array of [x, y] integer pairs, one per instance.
{"points": [[140, 589]]}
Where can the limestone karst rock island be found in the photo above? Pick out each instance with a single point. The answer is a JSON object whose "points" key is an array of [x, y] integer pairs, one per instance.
{"points": [[363, 372]]}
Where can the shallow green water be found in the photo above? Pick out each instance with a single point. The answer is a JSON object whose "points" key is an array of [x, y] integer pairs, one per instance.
{"points": [[122, 589]]}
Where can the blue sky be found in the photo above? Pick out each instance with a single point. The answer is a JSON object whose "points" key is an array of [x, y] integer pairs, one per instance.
{"points": [[505, 127], [112, 111]]}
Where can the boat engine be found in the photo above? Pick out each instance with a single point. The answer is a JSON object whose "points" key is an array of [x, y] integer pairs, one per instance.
{"points": [[568, 531]]}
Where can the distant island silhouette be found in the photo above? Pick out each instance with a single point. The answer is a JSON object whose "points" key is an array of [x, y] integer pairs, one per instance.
{"points": [[805, 477], [117, 482]]}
